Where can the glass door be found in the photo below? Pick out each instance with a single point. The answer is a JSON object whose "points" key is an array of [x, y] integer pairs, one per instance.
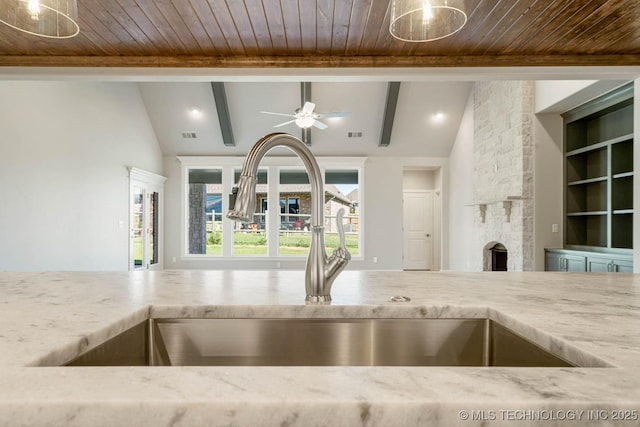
{"points": [[146, 210], [137, 229]]}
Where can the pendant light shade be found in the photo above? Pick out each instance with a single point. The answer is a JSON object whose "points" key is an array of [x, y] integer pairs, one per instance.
{"points": [[45, 18], [426, 20]]}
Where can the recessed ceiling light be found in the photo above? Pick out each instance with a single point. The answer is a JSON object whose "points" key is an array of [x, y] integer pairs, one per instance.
{"points": [[195, 112], [438, 117]]}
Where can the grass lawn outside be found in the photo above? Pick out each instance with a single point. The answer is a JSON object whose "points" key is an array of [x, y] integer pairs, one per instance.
{"points": [[291, 243]]}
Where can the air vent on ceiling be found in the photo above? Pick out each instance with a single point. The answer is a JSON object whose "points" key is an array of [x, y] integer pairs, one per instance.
{"points": [[189, 135], [354, 134]]}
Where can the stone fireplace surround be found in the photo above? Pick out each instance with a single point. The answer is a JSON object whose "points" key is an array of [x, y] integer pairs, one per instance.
{"points": [[503, 171]]}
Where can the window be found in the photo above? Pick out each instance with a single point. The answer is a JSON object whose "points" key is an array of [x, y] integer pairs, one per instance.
{"points": [[342, 191], [250, 238], [281, 229], [295, 212], [205, 212], [289, 209]]}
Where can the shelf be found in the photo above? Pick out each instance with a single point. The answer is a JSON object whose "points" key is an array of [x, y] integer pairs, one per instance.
{"points": [[587, 230], [598, 173], [590, 213], [587, 149], [589, 197], [622, 194], [490, 202], [589, 181], [588, 165], [622, 231], [623, 138], [622, 175], [599, 145], [506, 206]]}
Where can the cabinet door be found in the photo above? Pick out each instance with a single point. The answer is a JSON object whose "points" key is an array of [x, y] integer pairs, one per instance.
{"points": [[575, 263], [605, 265], [598, 265], [553, 261], [560, 261], [622, 266]]}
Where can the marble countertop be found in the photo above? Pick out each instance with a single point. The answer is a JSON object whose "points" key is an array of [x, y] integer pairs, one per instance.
{"points": [[49, 317]]}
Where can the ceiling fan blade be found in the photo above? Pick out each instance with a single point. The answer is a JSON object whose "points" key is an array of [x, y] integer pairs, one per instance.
{"points": [[308, 107], [285, 123], [336, 114], [319, 125], [277, 114]]}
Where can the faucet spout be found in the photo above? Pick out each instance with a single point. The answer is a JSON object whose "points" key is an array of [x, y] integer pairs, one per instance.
{"points": [[321, 270]]}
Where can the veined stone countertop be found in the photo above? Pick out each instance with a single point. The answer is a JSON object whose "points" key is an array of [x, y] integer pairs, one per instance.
{"points": [[49, 317]]}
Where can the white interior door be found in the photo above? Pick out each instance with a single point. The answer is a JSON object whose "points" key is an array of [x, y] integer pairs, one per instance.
{"points": [[417, 226]]}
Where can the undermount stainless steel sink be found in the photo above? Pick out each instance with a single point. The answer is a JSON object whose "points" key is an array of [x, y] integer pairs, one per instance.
{"points": [[318, 342]]}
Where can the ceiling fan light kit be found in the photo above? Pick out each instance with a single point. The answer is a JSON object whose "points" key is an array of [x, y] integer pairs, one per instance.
{"points": [[305, 122], [55, 19], [426, 20], [306, 117]]}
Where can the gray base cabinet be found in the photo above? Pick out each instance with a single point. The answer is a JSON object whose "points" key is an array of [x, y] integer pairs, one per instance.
{"points": [[609, 265], [564, 261], [583, 261]]}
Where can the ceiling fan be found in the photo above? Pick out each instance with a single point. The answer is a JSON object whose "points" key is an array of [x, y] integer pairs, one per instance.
{"points": [[305, 117]]}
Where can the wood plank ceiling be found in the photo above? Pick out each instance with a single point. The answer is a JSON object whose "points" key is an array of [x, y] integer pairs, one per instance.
{"points": [[331, 33]]}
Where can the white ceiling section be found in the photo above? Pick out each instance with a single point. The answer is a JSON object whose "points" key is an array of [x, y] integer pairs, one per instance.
{"points": [[168, 106], [169, 93], [414, 132]]}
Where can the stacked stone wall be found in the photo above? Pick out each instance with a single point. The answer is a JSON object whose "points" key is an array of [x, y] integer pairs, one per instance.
{"points": [[503, 170]]}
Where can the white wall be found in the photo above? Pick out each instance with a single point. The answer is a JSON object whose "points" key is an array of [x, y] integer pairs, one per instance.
{"points": [[63, 173], [383, 185], [552, 92], [558, 96], [461, 213], [548, 185], [419, 180]]}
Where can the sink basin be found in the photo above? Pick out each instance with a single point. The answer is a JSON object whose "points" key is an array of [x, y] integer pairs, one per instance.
{"points": [[318, 342]]}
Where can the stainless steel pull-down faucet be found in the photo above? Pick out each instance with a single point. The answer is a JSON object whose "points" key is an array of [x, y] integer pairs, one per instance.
{"points": [[321, 269]]}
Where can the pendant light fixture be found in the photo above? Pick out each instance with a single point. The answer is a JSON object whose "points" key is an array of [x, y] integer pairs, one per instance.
{"points": [[426, 20], [55, 19]]}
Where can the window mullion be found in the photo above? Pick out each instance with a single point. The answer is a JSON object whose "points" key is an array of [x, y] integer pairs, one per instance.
{"points": [[227, 224], [273, 208]]}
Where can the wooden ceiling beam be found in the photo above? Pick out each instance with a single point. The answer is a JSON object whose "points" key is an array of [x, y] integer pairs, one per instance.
{"points": [[416, 61], [393, 90], [305, 96], [224, 118]]}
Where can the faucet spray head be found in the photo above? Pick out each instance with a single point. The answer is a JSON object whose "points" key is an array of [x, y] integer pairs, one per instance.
{"points": [[242, 200]]}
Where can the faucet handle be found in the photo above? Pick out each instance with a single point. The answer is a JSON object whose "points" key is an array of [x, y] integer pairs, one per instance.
{"points": [[341, 251]]}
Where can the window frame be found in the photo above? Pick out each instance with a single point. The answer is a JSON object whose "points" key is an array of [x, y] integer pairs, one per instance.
{"points": [[228, 165]]}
